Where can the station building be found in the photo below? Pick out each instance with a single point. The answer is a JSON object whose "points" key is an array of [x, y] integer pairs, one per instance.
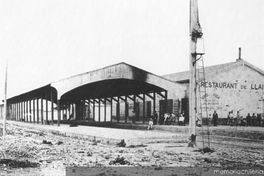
{"points": [[123, 93], [230, 87]]}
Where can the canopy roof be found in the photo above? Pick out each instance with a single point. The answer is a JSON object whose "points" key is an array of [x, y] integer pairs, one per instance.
{"points": [[115, 80]]}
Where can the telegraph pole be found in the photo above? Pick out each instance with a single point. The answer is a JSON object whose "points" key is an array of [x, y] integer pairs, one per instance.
{"points": [[195, 33], [5, 104]]}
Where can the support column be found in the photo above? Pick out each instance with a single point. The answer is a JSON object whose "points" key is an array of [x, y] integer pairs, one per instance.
{"points": [[89, 107], [14, 112], [11, 111], [74, 110], [47, 111], [30, 120], [118, 110], [111, 109], [41, 114], [17, 117], [93, 110], [144, 108], [154, 107], [105, 109], [52, 107], [34, 111], [14, 105], [18, 112], [135, 110], [37, 110], [126, 109], [21, 111], [99, 108], [166, 102], [58, 109], [24, 111]]}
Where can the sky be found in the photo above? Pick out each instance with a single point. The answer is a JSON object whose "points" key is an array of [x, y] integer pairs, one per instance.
{"points": [[46, 40]]}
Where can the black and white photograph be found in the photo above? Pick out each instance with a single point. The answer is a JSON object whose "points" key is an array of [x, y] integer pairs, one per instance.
{"points": [[131, 87]]}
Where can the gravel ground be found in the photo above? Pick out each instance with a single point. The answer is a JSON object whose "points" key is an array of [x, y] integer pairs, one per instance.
{"points": [[32, 152]]}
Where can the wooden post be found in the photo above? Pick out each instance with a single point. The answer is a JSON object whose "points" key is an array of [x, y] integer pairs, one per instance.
{"points": [[5, 103], [89, 108], [30, 111], [24, 110], [41, 114], [93, 110], [118, 110], [99, 108], [105, 109], [111, 109], [195, 33], [59, 113], [34, 111], [27, 110], [37, 110], [154, 103], [47, 110], [19, 113], [52, 107], [166, 101], [144, 98], [126, 109]]}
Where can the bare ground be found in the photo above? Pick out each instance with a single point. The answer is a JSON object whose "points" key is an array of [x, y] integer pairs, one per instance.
{"points": [[32, 152]]}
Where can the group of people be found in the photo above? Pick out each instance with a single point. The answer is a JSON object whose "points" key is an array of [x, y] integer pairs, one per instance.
{"points": [[172, 119], [231, 120], [250, 120], [166, 119]]}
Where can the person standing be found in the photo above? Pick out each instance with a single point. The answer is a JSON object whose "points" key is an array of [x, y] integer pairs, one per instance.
{"points": [[228, 120], [150, 125], [215, 118], [254, 119], [181, 119], [155, 120], [248, 119], [258, 119], [238, 119]]}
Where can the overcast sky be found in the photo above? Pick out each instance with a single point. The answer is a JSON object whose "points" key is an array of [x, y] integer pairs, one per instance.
{"points": [[46, 40]]}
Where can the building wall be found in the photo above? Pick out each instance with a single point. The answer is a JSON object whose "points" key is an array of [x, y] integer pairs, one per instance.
{"points": [[234, 88], [238, 89]]}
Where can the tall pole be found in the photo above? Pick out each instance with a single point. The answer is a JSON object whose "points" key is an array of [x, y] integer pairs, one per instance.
{"points": [[5, 104], [195, 33]]}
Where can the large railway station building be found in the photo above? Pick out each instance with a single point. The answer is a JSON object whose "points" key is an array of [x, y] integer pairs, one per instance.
{"points": [[126, 94]]}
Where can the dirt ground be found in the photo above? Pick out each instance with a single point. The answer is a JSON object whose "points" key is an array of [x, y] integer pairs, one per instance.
{"points": [[32, 152]]}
